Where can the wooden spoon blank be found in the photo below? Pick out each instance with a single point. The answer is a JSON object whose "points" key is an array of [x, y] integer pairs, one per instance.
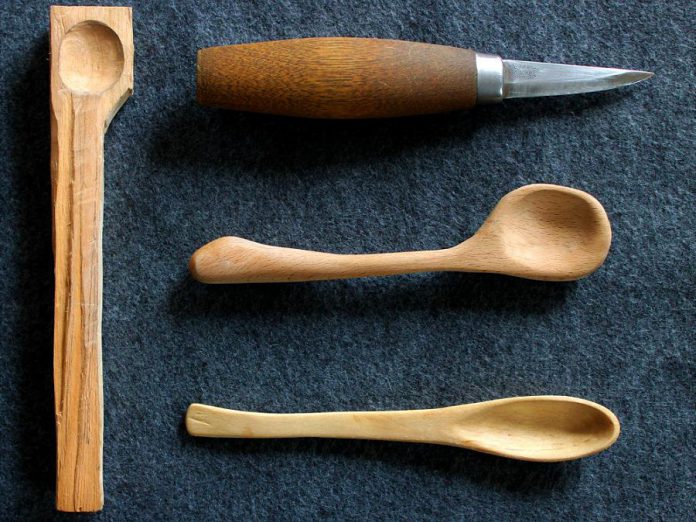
{"points": [[91, 77]]}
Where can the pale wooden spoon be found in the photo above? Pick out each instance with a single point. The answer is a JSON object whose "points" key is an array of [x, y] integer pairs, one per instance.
{"points": [[544, 232], [544, 428]]}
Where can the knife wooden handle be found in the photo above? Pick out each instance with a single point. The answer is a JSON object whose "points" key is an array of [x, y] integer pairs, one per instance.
{"points": [[337, 78]]}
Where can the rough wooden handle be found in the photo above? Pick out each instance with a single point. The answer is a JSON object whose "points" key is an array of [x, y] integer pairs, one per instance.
{"points": [[78, 206], [338, 78], [408, 425], [237, 260]]}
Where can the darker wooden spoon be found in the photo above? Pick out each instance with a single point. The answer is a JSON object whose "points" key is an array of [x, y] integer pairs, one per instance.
{"points": [[544, 232]]}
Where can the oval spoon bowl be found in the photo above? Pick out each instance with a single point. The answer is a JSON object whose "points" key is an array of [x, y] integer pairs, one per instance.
{"points": [[549, 232], [542, 429]]}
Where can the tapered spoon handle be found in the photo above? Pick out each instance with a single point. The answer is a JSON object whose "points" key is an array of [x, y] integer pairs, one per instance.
{"points": [[407, 425], [338, 77], [237, 260]]}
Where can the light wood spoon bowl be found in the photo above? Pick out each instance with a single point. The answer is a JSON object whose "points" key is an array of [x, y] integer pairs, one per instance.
{"points": [[544, 428], [543, 232]]}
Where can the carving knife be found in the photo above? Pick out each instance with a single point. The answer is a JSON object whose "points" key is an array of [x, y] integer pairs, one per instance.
{"points": [[374, 78]]}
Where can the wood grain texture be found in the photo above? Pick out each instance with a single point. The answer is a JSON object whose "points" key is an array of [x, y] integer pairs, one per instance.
{"points": [[539, 428], [337, 78], [91, 77], [540, 231]]}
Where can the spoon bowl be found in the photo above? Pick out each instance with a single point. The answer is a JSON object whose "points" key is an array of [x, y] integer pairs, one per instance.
{"points": [[542, 428], [545, 428], [547, 232]]}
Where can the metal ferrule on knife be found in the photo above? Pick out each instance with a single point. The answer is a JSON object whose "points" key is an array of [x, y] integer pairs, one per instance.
{"points": [[489, 78]]}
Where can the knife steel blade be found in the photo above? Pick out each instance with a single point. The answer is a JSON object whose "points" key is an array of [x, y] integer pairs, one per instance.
{"points": [[499, 79]]}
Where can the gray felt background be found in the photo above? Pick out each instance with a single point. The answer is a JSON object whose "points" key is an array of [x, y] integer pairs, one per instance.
{"points": [[179, 175]]}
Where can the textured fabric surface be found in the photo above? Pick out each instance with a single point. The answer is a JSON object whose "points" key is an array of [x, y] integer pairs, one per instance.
{"points": [[179, 175]]}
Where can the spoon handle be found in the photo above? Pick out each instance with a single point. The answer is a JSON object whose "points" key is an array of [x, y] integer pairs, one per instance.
{"points": [[406, 426], [237, 260]]}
